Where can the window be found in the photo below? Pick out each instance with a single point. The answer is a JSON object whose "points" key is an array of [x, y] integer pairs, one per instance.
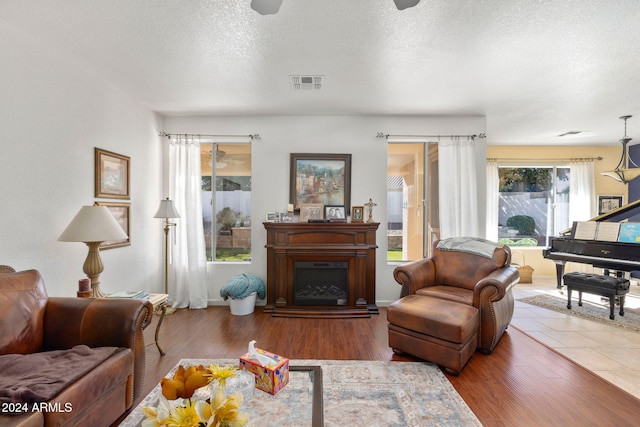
{"points": [[226, 201], [408, 214], [533, 204]]}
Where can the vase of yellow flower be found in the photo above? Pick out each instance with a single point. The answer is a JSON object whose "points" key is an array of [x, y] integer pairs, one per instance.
{"points": [[199, 397]]}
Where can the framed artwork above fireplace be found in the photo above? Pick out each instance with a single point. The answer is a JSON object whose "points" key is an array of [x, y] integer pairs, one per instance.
{"points": [[320, 179]]}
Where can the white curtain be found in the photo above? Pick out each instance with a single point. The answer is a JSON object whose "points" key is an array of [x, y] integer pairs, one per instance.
{"points": [[582, 206], [189, 256], [493, 200], [457, 189]]}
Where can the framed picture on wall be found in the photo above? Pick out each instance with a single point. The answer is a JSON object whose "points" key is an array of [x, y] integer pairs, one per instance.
{"points": [[320, 178], [121, 212], [609, 203], [111, 175]]}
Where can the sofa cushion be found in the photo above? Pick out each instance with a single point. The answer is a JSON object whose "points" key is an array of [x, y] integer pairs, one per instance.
{"points": [[23, 299], [39, 377]]}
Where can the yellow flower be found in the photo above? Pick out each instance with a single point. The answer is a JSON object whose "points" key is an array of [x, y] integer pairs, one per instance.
{"points": [[221, 373], [184, 416], [223, 411]]}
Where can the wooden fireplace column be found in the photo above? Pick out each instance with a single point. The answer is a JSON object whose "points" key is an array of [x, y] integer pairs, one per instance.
{"points": [[288, 243]]}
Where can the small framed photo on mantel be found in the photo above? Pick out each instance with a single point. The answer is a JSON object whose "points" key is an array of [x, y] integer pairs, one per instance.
{"points": [[310, 211], [334, 212], [357, 214]]}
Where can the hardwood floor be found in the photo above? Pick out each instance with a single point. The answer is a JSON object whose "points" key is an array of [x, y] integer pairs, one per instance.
{"points": [[522, 383]]}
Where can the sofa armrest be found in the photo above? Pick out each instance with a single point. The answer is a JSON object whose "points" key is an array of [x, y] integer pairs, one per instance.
{"points": [[415, 275], [99, 322], [501, 279]]}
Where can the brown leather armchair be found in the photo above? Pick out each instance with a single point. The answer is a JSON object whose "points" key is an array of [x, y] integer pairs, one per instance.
{"points": [[34, 327], [468, 278]]}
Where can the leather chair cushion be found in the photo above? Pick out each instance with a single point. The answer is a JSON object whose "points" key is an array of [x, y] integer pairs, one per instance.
{"points": [[450, 293], [435, 317], [23, 299], [463, 269]]}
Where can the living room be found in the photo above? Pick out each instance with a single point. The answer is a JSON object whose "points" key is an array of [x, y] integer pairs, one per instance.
{"points": [[76, 78]]}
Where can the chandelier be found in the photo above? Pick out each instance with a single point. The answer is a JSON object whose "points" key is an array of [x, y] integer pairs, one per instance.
{"points": [[623, 173]]}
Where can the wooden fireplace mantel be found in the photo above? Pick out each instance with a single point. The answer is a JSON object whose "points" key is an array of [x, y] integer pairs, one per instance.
{"points": [[354, 243]]}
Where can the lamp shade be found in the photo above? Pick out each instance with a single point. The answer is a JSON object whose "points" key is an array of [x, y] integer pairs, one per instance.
{"points": [[167, 210], [93, 224]]}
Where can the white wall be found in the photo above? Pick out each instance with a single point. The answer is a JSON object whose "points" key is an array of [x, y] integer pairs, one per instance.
{"points": [[282, 135], [53, 112]]}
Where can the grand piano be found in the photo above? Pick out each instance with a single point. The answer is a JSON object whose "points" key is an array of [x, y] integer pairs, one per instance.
{"points": [[610, 256]]}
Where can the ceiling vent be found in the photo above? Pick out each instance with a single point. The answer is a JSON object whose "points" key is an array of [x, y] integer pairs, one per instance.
{"points": [[306, 82]]}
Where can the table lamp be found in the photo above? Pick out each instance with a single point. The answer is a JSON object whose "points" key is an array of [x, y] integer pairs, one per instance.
{"points": [[93, 225], [166, 211]]}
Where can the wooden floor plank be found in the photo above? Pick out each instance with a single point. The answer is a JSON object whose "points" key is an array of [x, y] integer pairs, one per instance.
{"points": [[523, 383]]}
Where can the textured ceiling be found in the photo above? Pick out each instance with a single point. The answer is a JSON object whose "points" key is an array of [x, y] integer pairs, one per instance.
{"points": [[534, 68]]}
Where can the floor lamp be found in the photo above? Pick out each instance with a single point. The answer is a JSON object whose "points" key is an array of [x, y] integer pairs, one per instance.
{"points": [[166, 211], [93, 225]]}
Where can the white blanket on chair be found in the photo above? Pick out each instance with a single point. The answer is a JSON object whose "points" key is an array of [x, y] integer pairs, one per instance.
{"points": [[472, 245]]}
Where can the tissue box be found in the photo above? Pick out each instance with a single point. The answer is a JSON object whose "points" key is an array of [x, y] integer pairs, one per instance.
{"points": [[270, 379]]}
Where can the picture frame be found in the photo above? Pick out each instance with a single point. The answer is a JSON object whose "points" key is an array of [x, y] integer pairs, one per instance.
{"points": [[111, 175], [608, 203], [317, 178], [357, 214], [311, 211], [335, 212], [122, 213], [272, 217], [287, 217]]}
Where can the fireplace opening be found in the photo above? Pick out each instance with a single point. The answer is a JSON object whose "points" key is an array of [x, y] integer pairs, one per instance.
{"points": [[321, 283]]}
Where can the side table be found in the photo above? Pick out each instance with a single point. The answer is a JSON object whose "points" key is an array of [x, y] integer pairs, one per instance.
{"points": [[159, 302]]}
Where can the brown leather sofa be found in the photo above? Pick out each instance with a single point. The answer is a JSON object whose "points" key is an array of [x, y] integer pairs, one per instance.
{"points": [[88, 353], [470, 279]]}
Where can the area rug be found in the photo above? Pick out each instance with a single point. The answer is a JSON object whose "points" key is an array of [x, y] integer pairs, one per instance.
{"points": [[591, 309], [355, 393]]}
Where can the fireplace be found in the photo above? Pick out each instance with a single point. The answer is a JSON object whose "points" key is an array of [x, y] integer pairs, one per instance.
{"points": [[321, 283], [321, 269]]}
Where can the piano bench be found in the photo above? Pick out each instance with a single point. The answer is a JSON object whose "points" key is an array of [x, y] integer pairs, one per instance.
{"points": [[606, 286]]}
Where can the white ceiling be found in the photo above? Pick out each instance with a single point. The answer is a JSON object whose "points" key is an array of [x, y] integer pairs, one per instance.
{"points": [[534, 68]]}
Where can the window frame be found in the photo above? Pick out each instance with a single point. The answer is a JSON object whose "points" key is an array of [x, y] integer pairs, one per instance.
{"points": [[554, 202], [213, 144]]}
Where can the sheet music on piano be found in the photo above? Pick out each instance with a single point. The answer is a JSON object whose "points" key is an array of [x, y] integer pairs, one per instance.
{"points": [[586, 230], [608, 231]]}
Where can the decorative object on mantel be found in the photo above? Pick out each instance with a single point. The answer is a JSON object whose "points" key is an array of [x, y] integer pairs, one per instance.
{"points": [[623, 173], [370, 204], [357, 214], [167, 211], [93, 225]]}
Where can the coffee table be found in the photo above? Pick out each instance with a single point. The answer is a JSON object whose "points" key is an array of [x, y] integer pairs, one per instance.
{"points": [[298, 403]]}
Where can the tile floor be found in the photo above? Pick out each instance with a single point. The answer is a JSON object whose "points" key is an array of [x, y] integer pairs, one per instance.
{"points": [[610, 352]]}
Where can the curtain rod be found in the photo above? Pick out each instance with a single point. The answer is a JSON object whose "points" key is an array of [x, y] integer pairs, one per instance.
{"points": [[253, 137], [456, 137], [571, 159]]}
